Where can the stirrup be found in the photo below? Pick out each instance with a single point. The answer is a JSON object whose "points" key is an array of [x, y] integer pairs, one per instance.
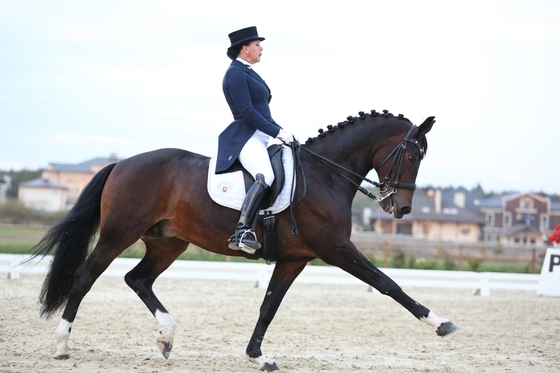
{"points": [[236, 242]]}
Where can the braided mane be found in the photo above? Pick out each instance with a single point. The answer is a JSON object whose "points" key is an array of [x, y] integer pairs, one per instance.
{"points": [[350, 120]]}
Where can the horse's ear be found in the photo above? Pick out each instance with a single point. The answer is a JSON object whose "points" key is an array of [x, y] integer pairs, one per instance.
{"points": [[425, 127]]}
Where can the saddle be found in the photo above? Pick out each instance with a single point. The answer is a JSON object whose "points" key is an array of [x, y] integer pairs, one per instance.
{"points": [[275, 155], [229, 189]]}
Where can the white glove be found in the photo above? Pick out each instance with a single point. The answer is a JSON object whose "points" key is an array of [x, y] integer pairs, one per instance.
{"points": [[285, 136]]}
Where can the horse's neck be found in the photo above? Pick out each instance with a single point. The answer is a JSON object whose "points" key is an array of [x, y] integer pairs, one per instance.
{"points": [[351, 147]]}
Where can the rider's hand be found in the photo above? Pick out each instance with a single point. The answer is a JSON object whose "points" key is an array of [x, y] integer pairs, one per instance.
{"points": [[285, 136]]}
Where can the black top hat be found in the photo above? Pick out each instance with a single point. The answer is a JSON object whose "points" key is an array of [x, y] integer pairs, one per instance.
{"points": [[243, 36]]}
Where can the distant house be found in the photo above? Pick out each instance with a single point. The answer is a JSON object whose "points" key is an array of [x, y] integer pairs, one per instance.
{"points": [[61, 184], [41, 194], [444, 215], [5, 183], [519, 218]]}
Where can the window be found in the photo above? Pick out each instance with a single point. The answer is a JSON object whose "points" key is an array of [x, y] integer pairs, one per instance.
{"points": [[490, 218], [450, 211], [404, 228], [507, 219], [544, 221], [491, 237], [526, 203]]}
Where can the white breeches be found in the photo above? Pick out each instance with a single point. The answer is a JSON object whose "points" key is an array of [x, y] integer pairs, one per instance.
{"points": [[254, 157]]}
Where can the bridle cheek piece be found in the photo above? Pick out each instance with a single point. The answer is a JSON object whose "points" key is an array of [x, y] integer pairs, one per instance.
{"points": [[398, 157]]}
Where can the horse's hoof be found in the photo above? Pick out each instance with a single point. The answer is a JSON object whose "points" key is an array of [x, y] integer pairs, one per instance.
{"points": [[446, 328], [62, 357], [165, 348], [268, 367]]}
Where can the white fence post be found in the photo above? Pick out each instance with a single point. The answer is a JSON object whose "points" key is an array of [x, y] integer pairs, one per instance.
{"points": [[15, 268], [264, 277], [483, 288]]}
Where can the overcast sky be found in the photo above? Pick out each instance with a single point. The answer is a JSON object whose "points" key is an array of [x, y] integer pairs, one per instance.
{"points": [[83, 79]]}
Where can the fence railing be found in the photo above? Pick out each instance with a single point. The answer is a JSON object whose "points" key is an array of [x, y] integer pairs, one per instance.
{"points": [[459, 253], [258, 274]]}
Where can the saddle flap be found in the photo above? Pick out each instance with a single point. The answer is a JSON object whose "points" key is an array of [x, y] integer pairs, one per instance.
{"points": [[275, 155]]}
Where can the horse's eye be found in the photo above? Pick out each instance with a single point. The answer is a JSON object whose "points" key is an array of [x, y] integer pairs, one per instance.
{"points": [[412, 159]]}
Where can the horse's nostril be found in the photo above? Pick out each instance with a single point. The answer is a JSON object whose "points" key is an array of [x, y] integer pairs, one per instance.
{"points": [[405, 210]]}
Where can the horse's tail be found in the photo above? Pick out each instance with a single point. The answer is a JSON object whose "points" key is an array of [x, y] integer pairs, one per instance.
{"points": [[70, 239]]}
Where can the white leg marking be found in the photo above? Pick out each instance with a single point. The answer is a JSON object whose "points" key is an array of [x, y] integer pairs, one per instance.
{"points": [[167, 327], [433, 320], [62, 334], [262, 361]]}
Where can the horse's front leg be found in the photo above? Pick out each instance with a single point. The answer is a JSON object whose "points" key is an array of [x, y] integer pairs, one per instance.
{"points": [[349, 258], [282, 278]]}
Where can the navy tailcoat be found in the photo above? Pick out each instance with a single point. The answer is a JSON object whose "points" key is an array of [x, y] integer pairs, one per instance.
{"points": [[247, 96]]}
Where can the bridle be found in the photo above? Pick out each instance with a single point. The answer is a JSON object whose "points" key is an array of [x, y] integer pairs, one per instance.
{"points": [[386, 187], [398, 156]]}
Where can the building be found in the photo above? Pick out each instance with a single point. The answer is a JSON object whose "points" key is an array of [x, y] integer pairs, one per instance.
{"points": [[457, 215], [5, 184], [519, 218], [42, 194], [442, 215], [61, 184]]}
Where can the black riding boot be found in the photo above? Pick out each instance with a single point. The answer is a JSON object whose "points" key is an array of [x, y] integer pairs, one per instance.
{"points": [[244, 238]]}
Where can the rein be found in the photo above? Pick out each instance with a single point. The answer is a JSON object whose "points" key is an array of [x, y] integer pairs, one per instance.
{"points": [[386, 187]]}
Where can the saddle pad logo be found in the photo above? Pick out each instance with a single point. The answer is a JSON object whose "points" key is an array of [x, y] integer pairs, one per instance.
{"points": [[225, 186]]}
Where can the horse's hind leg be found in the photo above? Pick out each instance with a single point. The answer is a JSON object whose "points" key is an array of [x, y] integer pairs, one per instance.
{"points": [[86, 275], [160, 254]]}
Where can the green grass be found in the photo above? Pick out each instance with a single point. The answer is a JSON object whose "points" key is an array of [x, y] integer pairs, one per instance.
{"points": [[16, 240], [20, 240]]}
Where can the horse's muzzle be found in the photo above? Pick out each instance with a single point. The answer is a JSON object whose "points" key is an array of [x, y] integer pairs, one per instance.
{"points": [[394, 205]]}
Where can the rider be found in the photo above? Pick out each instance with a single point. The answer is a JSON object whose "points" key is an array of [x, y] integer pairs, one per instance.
{"points": [[246, 138]]}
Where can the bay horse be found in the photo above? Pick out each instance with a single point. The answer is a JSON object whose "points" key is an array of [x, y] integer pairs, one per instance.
{"points": [[161, 198]]}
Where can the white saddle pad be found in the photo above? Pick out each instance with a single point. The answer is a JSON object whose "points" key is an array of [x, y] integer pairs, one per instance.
{"points": [[229, 189]]}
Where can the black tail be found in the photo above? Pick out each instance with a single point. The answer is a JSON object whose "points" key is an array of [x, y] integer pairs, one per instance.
{"points": [[70, 239]]}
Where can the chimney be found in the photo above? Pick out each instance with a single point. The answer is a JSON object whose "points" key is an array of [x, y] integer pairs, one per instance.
{"points": [[437, 201], [459, 199]]}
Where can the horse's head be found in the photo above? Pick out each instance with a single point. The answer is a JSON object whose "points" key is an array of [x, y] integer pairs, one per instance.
{"points": [[398, 168]]}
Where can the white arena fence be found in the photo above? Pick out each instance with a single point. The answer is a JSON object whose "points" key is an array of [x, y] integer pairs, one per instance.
{"points": [[259, 274]]}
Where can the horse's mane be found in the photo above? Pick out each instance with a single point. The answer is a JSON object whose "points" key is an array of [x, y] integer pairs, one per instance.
{"points": [[351, 120], [362, 116]]}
